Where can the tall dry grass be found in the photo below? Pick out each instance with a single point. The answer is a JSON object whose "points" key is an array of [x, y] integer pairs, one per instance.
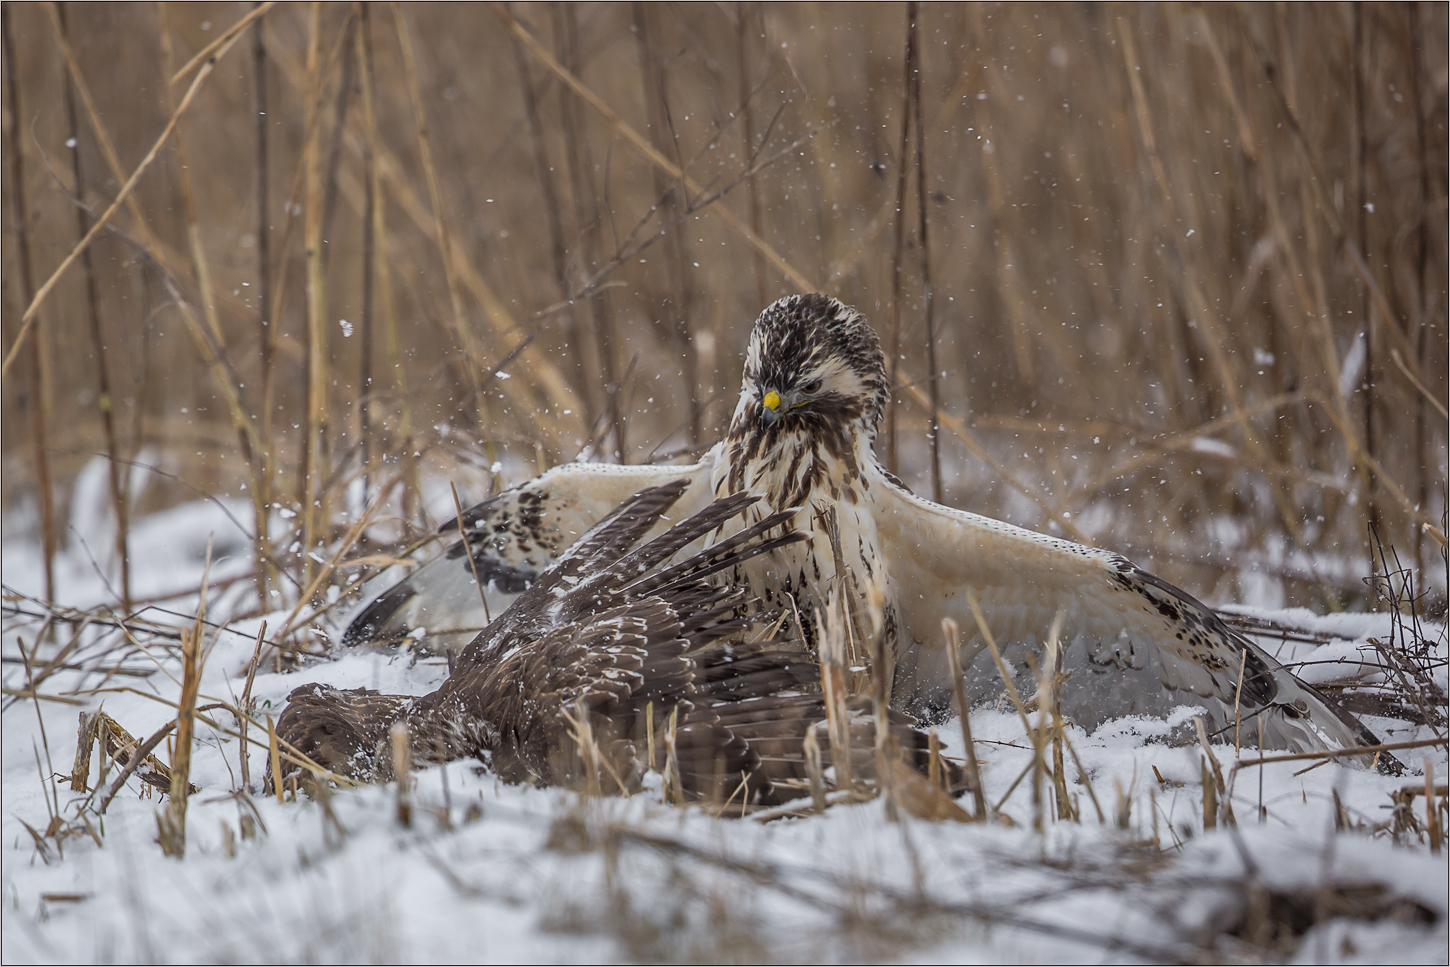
{"points": [[1187, 265]]}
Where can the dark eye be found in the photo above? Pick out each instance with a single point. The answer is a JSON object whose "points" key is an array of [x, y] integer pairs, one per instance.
{"points": [[812, 388]]}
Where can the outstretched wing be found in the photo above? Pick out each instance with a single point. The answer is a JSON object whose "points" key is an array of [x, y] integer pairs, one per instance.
{"points": [[512, 538], [1132, 642]]}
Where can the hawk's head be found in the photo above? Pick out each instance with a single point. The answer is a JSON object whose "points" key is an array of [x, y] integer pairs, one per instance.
{"points": [[813, 365]]}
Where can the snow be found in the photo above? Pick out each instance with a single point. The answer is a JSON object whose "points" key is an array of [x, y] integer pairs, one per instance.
{"points": [[496, 873]]}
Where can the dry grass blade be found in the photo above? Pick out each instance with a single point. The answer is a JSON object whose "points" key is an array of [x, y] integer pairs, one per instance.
{"points": [[1337, 753]]}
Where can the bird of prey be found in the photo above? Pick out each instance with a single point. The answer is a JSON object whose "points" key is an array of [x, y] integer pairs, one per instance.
{"points": [[620, 658], [813, 391]]}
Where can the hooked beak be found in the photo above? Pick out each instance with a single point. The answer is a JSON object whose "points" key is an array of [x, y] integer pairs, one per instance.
{"points": [[771, 403]]}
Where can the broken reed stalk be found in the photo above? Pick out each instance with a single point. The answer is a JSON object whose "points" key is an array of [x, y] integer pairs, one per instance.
{"points": [[39, 383], [674, 790], [952, 632], [835, 687], [105, 400], [1214, 787], [246, 706], [401, 746], [1050, 714], [172, 823], [80, 772], [893, 328]]}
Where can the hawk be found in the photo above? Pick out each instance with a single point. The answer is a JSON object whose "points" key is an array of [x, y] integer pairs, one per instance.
{"points": [[618, 659], [801, 439]]}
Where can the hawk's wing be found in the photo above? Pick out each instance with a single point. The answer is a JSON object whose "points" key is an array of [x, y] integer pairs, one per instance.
{"points": [[513, 537], [1133, 642]]}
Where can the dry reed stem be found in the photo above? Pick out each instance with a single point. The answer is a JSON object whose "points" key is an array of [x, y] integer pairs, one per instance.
{"points": [[35, 303], [80, 772], [898, 247], [811, 748], [647, 150], [835, 688], [382, 270], [928, 292], [472, 563], [881, 673], [266, 572], [105, 401], [172, 823], [1420, 386], [40, 402], [952, 632], [215, 47], [313, 467], [246, 706]]}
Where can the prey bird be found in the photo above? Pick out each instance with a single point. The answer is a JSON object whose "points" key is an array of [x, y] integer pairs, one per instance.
{"points": [[801, 439], [623, 657]]}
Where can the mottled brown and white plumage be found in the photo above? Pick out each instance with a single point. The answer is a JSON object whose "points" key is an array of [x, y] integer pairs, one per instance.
{"points": [[616, 640], [813, 391]]}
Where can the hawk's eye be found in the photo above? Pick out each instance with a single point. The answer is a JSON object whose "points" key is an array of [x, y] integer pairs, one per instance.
{"points": [[812, 388]]}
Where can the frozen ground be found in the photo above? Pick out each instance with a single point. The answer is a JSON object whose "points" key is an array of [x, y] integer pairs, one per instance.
{"points": [[495, 873]]}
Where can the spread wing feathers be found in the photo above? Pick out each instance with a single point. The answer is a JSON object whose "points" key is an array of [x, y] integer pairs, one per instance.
{"points": [[511, 538], [572, 679], [1121, 627]]}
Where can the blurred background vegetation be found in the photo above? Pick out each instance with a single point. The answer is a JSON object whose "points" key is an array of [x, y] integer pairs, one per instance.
{"points": [[1179, 271]]}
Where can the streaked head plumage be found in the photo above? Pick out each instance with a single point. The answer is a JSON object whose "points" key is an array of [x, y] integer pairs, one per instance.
{"points": [[812, 358]]}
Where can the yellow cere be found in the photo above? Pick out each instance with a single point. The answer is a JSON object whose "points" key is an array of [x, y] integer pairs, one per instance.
{"points": [[772, 400]]}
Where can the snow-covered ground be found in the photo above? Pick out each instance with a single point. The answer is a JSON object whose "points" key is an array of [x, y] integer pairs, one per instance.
{"points": [[495, 873]]}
